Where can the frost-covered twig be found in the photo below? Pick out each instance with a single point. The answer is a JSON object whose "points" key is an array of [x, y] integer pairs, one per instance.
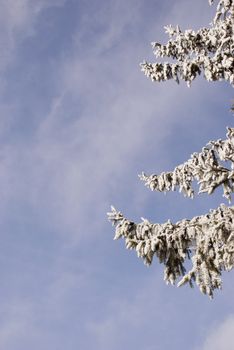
{"points": [[209, 50], [204, 167], [208, 240]]}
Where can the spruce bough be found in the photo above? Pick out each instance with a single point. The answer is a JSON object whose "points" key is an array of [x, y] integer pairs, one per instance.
{"points": [[207, 240]]}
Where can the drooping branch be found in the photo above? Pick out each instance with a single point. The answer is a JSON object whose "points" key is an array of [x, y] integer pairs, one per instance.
{"points": [[209, 50], [208, 240], [204, 167]]}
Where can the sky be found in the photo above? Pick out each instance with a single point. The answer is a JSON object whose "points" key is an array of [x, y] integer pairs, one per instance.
{"points": [[78, 122]]}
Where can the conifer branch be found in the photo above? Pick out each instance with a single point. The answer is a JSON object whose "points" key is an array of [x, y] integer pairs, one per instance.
{"points": [[208, 240], [204, 167], [209, 50]]}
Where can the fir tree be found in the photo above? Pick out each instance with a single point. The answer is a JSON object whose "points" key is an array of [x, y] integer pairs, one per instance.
{"points": [[207, 240]]}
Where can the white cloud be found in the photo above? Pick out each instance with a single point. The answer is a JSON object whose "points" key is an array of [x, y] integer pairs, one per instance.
{"points": [[17, 19], [221, 336], [127, 322], [17, 324]]}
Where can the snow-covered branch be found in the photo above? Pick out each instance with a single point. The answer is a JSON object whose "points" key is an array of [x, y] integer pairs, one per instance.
{"points": [[204, 167], [209, 50], [207, 240]]}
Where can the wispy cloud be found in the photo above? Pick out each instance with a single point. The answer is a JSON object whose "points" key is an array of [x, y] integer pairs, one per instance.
{"points": [[78, 123], [17, 20], [221, 336]]}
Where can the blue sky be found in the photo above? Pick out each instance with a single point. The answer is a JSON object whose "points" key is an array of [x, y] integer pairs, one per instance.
{"points": [[78, 122]]}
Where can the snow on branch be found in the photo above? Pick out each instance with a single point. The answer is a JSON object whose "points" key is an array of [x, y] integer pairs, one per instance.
{"points": [[204, 167], [207, 240], [209, 50]]}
